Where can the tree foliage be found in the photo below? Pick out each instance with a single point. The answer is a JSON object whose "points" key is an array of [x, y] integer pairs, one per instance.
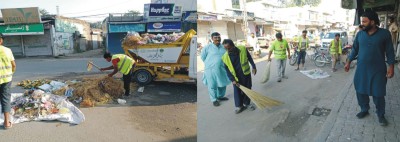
{"points": [[132, 13], [43, 12], [299, 3]]}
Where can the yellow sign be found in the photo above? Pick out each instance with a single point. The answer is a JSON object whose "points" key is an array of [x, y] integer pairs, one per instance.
{"points": [[21, 15]]}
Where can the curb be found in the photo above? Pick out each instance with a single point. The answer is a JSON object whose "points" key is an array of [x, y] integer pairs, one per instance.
{"points": [[330, 121]]}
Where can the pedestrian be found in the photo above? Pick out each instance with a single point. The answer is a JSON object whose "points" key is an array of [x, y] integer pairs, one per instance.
{"points": [[393, 30], [253, 42], [279, 48], [7, 69], [335, 49], [123, 64], [215, 77], [236, 61], [303, 45], [370, 79]]}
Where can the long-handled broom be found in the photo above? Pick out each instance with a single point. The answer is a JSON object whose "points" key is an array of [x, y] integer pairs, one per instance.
{"points": [[259, 100], [90, 65]]}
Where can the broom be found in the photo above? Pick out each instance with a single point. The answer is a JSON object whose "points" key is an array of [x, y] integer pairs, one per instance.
{"points": [[90, 65], [259, 100]]}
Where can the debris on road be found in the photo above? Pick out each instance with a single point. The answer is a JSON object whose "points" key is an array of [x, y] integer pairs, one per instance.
{"points": [[315, 74], [141, 89], [28, 84], [121, 101], [36, 105], [93, 91]]}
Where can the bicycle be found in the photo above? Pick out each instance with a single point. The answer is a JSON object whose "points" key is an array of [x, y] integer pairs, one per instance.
{"points": [[323, 59], [294, 56]]}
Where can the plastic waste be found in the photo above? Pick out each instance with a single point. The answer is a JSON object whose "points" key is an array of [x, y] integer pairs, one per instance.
{"points": [[121, 101]]}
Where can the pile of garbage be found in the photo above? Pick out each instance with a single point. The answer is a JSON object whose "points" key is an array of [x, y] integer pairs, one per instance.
{"points": [[88, 92], [36, 105], [133, 38], [315, 74], [92, 91]]}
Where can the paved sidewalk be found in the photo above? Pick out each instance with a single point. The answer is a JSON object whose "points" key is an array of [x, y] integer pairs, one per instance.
{"points": [[343, 126]]}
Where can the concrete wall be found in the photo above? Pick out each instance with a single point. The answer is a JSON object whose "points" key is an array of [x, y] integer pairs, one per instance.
{"points": [[67, 25]]}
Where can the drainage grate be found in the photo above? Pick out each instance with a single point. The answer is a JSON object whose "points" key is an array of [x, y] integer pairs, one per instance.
{"points": [[321, 112]]}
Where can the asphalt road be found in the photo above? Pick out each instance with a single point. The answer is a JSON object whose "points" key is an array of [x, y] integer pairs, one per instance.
{"points": [[291, 121], [163, 112]]}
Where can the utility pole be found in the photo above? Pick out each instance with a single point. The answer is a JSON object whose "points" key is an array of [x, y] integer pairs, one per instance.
{"points": [[245, 24], [58, 11]]}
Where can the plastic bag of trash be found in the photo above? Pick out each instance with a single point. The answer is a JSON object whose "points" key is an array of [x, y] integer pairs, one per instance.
{"points": [[266, 73]]}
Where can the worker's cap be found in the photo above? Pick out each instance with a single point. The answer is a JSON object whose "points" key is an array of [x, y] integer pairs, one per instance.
{"points": [[337, 34]]}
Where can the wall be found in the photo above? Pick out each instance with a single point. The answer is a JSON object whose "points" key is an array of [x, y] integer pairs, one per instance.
{"points": [[38, 45], [14, 43], [63, 43], [67, 25]]}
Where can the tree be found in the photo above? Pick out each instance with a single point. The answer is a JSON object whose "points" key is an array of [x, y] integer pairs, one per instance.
{"points": [[43, 12], [299, 3], [132, 13]]}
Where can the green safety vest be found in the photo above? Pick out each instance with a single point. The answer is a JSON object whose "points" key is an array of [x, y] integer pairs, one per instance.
{"points": [[333, 49], [125, 63], [280, 53], [243, 62], [5, 65], [300, 41]]}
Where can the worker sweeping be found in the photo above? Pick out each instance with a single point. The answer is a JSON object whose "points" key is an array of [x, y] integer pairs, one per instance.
{"points": [[236, 61], [123, 64]]}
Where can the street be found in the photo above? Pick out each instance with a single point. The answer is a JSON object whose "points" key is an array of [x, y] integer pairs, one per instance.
{"points": [[295, 120], [163, 112]]}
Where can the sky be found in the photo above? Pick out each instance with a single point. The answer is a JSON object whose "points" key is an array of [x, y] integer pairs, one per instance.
{"points": [[73, 8]]}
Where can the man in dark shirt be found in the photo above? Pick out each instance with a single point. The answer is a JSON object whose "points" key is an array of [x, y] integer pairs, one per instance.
{"points": [[236, 61]]}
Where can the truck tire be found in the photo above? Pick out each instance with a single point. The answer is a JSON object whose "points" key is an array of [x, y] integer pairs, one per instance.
{"points": [[143, 77]]}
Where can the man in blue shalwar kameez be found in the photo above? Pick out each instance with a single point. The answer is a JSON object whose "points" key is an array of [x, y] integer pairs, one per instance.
{"points": [[215, 77], [371, 46], [236, 61]]}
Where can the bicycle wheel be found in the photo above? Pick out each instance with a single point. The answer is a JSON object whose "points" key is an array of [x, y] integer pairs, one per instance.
{"points": [[293, 60], [320, 61]]}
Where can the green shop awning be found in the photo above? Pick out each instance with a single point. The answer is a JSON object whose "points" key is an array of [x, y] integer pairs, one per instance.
{"points": [[22, 29]]}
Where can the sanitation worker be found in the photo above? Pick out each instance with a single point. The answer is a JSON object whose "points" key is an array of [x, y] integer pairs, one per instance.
{"points": [[236, 61], [7, 69], [123, 64]]}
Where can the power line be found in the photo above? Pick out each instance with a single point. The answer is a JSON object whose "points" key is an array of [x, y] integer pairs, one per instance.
{"points": [[97, 9]]}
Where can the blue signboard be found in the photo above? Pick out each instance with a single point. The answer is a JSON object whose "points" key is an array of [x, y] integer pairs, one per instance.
{"points": [[164, 27], [119, 28], [161, 9]]}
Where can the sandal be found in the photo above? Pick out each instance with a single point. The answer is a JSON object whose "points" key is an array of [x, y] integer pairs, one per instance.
{"points": [[8, 127]]}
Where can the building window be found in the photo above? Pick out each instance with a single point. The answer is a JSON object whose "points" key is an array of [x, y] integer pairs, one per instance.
{"points": [[236, 4]]}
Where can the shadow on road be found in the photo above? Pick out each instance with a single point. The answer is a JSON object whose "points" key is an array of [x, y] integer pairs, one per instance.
{"points": [[187, 139]]}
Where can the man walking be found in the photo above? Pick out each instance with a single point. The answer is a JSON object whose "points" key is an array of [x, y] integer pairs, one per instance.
{"points": [[123, 64], [236, 61], [279, 47], [302, 47], [7, 69], [253, 41], [215, 77], [335, 49], [371, 46]]}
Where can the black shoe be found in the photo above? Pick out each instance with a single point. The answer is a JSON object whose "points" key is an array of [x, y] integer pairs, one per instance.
{"points": [[239, 110], [216, 103], [383, 121], [223, 99], [362, 114]]}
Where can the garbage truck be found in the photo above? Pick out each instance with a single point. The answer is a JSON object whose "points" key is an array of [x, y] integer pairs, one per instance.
{"points": [[171, 62]]}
